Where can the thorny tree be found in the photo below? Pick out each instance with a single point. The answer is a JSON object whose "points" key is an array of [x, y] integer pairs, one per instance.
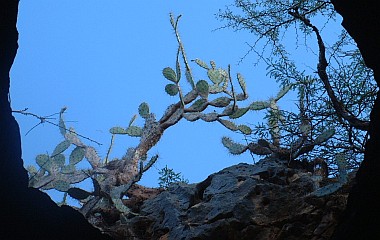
{"points": [[335, 88]]}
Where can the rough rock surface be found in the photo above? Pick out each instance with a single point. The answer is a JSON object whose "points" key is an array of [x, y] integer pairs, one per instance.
{"points": [[361, 219], [264, 201]]}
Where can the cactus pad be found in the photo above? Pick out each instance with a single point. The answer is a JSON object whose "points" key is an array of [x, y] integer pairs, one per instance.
{"points": [[217, 76], [233, 148], [239, 112], [192, 116], [199, 105], [201, 63], [61, 185], [245, 129], [283, 91], [61, 147], [220, 102], [59, 160], [134, 131], [169, 74], [209, 117], [259, 105], [171, 89], [228, 124], [242, 83], [61, 124], [341, 161], [68, 169], [144, 110], [118, 130], [44, 161], [323, 137], [76, 155], [202, 87]]}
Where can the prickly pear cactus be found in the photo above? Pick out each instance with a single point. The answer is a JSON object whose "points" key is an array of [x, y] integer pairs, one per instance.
{"points": [[217, 98], [57, 173], [342, 178], [233, 148]]}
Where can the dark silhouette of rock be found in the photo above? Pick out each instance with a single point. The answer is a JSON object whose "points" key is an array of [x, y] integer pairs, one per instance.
{"points": [[26, 213], [361, 219]]}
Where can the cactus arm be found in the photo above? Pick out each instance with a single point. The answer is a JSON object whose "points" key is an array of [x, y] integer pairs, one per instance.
{"points": [[182, 49]]}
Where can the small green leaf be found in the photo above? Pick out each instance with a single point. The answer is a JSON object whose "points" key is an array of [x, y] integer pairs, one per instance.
{"points": [[170, 74], [171, 89], [76, 155], [61, 147], [144, 110], [202, 87]]}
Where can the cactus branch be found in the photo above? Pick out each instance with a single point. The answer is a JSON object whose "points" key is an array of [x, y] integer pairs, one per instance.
{"points": [[187, 66], [232, 87]]}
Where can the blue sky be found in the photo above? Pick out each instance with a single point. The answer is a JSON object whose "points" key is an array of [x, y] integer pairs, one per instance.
{"points": [[101, 59]]}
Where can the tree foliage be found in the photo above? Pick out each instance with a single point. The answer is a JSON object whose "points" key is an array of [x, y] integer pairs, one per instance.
{"points": [[169, 176], [335, 89]]}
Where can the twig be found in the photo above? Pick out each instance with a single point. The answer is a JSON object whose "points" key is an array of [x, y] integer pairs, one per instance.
{"points": [[45, 120]]}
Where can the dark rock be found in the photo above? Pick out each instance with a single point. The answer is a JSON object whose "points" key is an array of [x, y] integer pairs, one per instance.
{"points": [[361, 218], [236, 203], [26, 213]]}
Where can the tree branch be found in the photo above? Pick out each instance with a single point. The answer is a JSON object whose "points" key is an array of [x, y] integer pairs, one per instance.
{"points": [[341, 111]]}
